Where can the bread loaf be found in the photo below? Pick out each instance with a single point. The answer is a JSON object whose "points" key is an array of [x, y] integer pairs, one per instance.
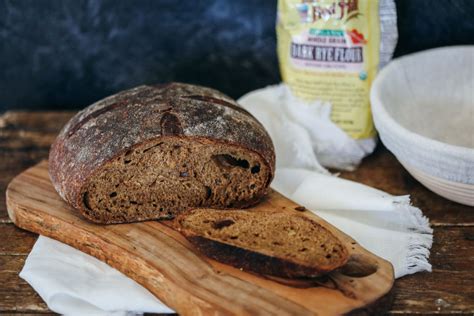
{"points": [[154, 151], [271, 243]]}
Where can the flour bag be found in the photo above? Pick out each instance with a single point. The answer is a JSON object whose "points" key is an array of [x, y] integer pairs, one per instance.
{"points": [[331, 50]]}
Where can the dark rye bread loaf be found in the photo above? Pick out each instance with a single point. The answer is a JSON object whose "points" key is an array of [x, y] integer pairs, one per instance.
{"points": [[153, 151], [271, 243]]}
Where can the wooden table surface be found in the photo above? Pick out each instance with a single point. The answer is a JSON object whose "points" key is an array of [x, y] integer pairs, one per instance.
{"points": [[25, 138]]}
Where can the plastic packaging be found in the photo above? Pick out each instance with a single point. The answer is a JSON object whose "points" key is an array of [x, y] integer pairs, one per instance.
{"points": [[331, 50]]}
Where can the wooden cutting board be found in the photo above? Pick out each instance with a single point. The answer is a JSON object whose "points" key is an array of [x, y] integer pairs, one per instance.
{"points": [[160, 259]]}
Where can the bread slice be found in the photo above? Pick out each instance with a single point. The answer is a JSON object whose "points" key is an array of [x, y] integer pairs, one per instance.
{"points": [[272, 243]]}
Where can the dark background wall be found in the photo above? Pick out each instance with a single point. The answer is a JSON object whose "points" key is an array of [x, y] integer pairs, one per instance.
{"points": [[58, 54]]}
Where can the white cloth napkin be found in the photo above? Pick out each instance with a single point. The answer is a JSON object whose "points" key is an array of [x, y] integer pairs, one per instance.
{"points": [[303, 133], [72, 282]]}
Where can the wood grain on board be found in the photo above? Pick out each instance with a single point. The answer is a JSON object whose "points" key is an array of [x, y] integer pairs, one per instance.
{"points": [[162, 260]]}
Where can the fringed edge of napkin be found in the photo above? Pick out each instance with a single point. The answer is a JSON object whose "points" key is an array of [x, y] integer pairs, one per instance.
{"points": [[418, 253], [419, 222], [421, 239]]}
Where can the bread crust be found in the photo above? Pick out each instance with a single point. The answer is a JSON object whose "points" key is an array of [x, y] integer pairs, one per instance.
{"points": [[252, 261], [107, 128]]}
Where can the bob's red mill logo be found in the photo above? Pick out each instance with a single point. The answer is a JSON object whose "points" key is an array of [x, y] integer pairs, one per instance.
{"points": [[313, 11]]}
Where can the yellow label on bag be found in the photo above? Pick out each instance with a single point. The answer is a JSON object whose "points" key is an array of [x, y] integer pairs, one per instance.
{"points": [[329, 50]]}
